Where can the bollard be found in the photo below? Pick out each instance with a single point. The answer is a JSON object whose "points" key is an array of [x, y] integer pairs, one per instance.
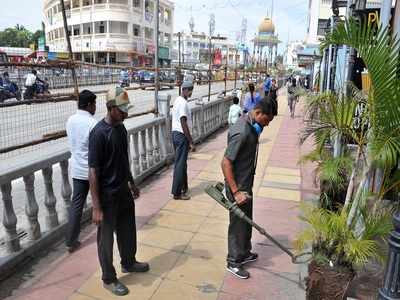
{"points": [[391, 289]]}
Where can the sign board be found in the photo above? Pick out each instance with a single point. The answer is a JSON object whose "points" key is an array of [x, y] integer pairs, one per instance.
{"points": [[204, 56], [41, 43], [52, 56], [62, 55], [163, 52], [217, 57]]}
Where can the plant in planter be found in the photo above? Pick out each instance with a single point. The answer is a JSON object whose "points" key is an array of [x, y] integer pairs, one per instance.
{"points": [[343, 240], [338, 250], [328, 115]]}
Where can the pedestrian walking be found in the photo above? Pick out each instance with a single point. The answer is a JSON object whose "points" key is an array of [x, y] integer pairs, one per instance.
{"points": [[273, 95], [267, 84], [239, 166], [251, 99], [182, 141], [78, 129], [292, 98], [113, 192], [234, 111]]}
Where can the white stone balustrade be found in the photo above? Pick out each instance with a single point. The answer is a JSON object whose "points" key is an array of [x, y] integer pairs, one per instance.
{"points": [[150, 148]]}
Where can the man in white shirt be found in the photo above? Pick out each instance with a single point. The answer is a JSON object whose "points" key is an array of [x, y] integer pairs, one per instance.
{"points": [[30, 84], [78, 128], [182, 140], [235, 111]]}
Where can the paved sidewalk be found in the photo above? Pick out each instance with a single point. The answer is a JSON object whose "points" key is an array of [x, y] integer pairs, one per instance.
{"points": [[185, 242]]}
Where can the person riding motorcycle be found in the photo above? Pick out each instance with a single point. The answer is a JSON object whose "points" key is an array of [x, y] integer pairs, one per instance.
{"points": [[35, 86], [8, 88], [124, 78]]}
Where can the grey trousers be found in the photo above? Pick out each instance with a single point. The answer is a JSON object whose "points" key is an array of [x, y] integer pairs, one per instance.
{"points": [[79, 195], [239, 234]]}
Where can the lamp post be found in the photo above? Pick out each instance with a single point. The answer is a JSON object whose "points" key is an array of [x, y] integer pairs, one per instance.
{"points": [[211, 25], [156, 74]]}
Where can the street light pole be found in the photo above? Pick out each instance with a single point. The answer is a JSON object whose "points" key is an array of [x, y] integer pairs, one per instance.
{"points": [[236, 51], [156, 74], [179, 63], [76, 90], [211, 25]]}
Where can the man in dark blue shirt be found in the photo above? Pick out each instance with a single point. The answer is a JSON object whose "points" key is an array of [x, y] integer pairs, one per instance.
{"points": [[113, 191]]}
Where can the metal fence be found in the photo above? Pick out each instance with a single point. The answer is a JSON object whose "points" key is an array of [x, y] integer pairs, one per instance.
{"points": [[27, 125]]}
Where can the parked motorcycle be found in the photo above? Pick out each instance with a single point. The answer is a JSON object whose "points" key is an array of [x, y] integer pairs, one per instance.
{"points": [[124, 82], [9, 91]]}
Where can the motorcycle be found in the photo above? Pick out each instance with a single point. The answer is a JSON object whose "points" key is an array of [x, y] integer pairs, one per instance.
{"points": [[41, 88], [9, 91], [124, 82]]}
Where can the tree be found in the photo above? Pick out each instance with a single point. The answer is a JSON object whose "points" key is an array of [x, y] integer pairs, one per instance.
{"points": [[19, 36]]}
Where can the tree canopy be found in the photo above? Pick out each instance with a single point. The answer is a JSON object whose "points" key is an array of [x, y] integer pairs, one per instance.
{"points": [[19, 36]]}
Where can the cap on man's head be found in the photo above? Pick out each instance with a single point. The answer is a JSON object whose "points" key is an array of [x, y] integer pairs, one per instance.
{"points": [[118, 97], [187, 85]]}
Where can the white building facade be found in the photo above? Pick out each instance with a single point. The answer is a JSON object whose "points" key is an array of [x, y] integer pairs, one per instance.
{"points": [[195, 49], [319, 13], [111, 31]]}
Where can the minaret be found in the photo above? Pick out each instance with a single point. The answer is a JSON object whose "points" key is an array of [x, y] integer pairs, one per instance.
{"points": [[191, 22]]}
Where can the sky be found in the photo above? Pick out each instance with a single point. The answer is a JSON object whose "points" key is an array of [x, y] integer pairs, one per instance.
{"points": [[289, 16]]}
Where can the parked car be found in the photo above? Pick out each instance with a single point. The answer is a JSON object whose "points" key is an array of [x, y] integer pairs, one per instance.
{"points": [[166, 79]]}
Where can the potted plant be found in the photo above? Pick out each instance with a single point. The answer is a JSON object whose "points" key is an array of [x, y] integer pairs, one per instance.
{"points": [[338, 250], [342, 241]]}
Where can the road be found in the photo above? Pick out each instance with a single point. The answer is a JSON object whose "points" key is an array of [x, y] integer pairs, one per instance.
{"points": [[24, 123]]}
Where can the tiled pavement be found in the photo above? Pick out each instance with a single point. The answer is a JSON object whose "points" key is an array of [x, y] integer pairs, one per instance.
{"points": [[185, 241]]}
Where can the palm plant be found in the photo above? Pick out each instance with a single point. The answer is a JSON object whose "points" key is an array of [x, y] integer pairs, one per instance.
{"points": [[336, 244], [378, 138]]}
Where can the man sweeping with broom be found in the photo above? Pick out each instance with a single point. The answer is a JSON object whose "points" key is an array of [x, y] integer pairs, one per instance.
{"points": [[238, 166]]}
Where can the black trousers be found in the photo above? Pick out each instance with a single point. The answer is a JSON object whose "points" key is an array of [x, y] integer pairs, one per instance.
{"points": [[119, 217], [79, 195], [239, 234], [180, 180]]}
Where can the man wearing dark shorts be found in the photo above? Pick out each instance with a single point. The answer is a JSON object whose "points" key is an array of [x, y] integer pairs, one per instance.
{"points": [[113, 191], [239, 166]]}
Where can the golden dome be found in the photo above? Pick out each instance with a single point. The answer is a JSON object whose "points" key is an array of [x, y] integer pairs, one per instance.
{"points": [[266, 26]]}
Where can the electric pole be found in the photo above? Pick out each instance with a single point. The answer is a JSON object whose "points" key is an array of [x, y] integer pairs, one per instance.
{"points": [[76, 90], [179, 64], [156, 74], [211, 25]]}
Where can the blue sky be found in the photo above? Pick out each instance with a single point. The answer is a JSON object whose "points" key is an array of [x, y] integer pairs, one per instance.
{"points": [[290, 16]]}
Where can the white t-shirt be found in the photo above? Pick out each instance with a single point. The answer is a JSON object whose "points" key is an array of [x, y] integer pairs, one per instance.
{"points": [[78, 128], [179, 110], [30, 79], [234, 114]]}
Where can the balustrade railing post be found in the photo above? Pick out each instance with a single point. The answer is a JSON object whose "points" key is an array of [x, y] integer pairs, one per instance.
{"points": [[9, 219], [157, 155], [149, 146], [49, 198], [66, 190], [165, 111], [31, 207], [202, 127], [135, 154], [142, 149]]}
